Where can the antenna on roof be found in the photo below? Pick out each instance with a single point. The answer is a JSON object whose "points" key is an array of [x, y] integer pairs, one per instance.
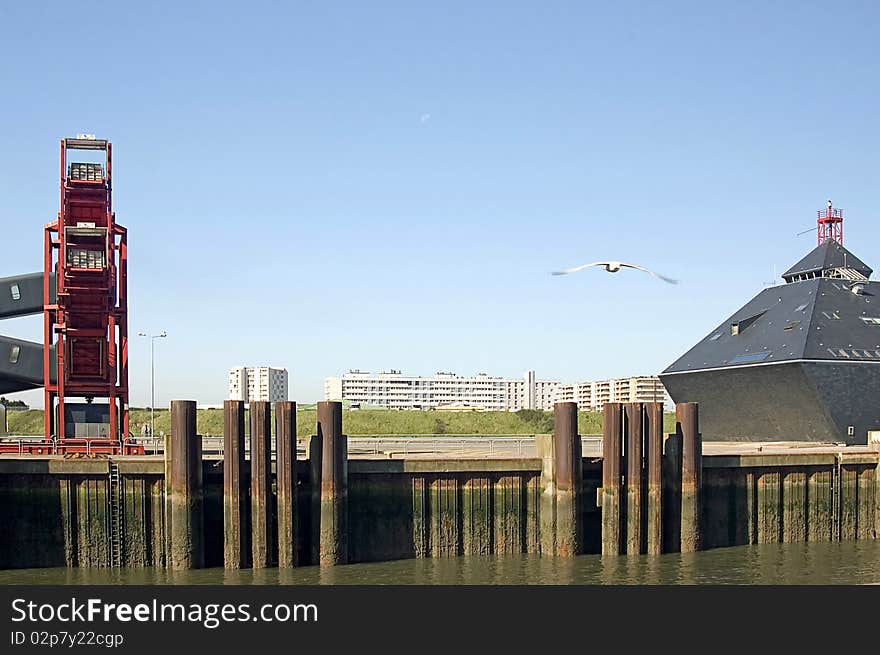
{"points": [[775, 277]]}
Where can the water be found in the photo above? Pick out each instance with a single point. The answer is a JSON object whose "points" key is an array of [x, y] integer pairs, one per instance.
{"points": [[856, 562]]}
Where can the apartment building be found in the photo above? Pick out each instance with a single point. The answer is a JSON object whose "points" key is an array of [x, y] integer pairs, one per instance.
{"points": [[593, 395], [249, 383], [394, 390]]}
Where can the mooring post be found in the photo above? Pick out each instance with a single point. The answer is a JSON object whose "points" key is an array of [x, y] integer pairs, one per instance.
{"points": [[236, 546], [687, 422], [184, 462], [546, 446], [262, 537], [569, 477], [612, 504], [285, 482], [333, 547], [654, 444], [672, 491], [166, 501], [874, 441], [635, 507], [314, 454]]}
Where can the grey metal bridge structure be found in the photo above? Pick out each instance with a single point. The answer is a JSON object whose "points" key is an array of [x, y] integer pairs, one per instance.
{"points": [[21, 362]]}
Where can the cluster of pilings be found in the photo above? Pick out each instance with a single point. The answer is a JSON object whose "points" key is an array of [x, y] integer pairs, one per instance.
{"points": [[650, 495], [651, 492], [651, 482], [260, 528]]}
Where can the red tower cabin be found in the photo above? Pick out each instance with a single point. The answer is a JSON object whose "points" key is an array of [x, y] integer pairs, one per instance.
{"points": [[87, 251], [829, 224]]}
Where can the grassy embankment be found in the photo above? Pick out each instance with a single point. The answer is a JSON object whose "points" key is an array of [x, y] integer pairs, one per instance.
{"points": [[364, 422]]}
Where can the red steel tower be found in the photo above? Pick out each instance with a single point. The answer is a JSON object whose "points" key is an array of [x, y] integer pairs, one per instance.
{"points": [[829, 225], [88, 323]]}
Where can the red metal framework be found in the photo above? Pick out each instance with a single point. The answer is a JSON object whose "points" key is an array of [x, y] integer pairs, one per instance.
{"points": [[829, 225], [88, 324]]}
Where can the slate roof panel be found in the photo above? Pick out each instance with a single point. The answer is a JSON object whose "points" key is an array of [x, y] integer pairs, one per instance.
{"points": [[779, 333], [830, 254]]}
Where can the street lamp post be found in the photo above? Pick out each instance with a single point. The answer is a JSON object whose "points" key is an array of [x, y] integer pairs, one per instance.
{"points": [[152, 338]]}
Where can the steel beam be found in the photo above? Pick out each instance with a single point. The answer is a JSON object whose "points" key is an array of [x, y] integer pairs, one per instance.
{"points": [[22, 295]]}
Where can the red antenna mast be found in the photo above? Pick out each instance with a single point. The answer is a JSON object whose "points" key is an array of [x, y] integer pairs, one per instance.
{"points": [[829, 224]]}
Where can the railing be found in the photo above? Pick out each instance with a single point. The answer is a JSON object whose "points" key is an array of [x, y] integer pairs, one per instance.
{"points": [[513, 445], [376, 445], [24, 445]]}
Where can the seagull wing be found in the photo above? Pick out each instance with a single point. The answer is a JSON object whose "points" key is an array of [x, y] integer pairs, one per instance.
{"points": [[657, 275], [575, 269]]}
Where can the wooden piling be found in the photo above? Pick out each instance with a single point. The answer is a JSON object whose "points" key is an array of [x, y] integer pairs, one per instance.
{"points": [[877, 493], [612, 503], [262, 534], [285, 482], [687, 422], [236, 542], [546, 445], [186, 502], [876, 445], [333, 534], [654, 458], [635, 507], [561, 509], [569, 478], [672, 493], [314, 455], [166, 501]]}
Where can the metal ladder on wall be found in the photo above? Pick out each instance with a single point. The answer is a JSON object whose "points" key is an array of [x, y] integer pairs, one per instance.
{"points": [[115, 516]]}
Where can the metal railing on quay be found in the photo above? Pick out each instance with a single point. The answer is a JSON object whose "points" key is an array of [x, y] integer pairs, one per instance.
{"points": [[375, 445], [512, 445]]}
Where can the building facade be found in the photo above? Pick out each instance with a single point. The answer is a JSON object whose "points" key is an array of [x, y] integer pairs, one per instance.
{"points": [[249, 383], [591, 396], [394, 390]]}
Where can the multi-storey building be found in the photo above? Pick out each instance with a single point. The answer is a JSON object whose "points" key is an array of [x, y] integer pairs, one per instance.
{"points": [[593, 395], [394, 390], [249, 383]]}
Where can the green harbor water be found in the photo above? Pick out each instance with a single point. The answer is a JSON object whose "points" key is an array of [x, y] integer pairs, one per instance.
{"points": [[856, 562]]}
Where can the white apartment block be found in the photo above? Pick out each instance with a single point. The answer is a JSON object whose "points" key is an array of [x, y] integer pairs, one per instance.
{"points": [[249, 383], [593, 395], [394, 390]]}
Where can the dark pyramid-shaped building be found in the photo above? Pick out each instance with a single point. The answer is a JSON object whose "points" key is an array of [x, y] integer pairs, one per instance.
{"points": [[799, 362]]}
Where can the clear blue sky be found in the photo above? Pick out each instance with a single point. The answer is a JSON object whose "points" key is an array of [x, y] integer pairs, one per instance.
{"points": [[329, 185]]}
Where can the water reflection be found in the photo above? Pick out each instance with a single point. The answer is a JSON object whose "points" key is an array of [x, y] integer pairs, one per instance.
{"points": [[855, 562]]}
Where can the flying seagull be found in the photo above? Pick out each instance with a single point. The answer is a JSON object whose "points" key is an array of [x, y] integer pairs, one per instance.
{"points": [[614, 267]]}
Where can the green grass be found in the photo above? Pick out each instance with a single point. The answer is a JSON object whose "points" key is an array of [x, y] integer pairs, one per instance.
{"points": [[363, 422]]}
